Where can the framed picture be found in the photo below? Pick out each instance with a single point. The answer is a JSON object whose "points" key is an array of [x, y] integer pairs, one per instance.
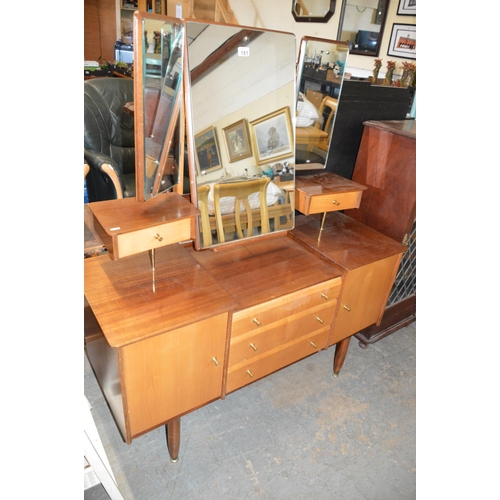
{"points": [[403, 41], [272, 136], [237, 141], [207, 151], [407, 8]]}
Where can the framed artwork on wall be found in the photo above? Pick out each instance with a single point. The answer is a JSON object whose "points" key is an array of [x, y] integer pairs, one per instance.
{"points": [[403, 42], [272, 136], [407, 8], [207, 151], [237, 141]]}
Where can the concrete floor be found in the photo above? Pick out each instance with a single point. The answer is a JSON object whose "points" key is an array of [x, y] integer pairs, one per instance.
{"points": [[299, 433]]}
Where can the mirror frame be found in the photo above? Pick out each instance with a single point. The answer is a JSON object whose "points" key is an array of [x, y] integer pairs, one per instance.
{"points": [[308, 19], [139, 114], [352, 50]]}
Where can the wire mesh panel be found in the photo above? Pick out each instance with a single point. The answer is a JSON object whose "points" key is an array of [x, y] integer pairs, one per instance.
{"points": [[405, 284]]}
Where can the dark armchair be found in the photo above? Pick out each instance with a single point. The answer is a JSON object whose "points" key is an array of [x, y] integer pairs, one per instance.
{"points": [[109, 138]]}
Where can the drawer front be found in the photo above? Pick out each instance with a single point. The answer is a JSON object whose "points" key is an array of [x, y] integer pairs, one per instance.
{"points": [[335, 201], [263, 315], [153, 237], [273, 360], [257, 343]]}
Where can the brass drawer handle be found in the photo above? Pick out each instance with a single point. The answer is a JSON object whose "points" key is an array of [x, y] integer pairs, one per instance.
{"points": [[158, 237], [348, 309], [252, 345], [214, 359], [319, 319], [325, 296], [314, 345], [250, 373], [335, 202], [256, 321]]}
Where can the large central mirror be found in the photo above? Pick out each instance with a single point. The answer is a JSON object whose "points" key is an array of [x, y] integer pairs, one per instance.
{"points": [[240, 107], [158, 45], [320, 75]]}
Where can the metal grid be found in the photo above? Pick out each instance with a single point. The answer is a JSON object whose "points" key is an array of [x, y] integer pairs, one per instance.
{"points": [[405, 284]]}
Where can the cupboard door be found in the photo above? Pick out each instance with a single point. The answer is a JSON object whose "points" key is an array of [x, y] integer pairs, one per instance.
{"points": [[363, 298], [172, 373]]}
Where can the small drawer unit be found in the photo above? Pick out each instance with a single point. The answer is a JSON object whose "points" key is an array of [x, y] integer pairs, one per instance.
{"points": [[326, 192], [272, 335]]}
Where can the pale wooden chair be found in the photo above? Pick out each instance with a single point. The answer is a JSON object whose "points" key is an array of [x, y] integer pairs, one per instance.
{"points": [[240, 191], [330, 103], [204, 217]]}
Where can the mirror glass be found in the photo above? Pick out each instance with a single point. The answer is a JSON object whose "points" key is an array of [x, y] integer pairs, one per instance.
{"points": [[320, 75], [362, 24], [240, 111], [157, 93], [313, 11]]}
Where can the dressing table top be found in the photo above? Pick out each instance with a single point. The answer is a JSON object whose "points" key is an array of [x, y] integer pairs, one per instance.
{"points": [[259, 271], [121, 295]]}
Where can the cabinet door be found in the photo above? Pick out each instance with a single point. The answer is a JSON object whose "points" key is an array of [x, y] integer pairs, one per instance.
{"points": [[364, 296], [172, 373]]}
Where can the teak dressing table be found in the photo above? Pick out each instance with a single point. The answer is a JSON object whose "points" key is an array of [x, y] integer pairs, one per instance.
{"points": [[219, 320]]}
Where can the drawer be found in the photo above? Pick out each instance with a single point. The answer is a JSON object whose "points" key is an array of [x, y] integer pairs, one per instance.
{"points": [[308, 203], [246, 373], [263, 315], [153, 237], [257, 343]]}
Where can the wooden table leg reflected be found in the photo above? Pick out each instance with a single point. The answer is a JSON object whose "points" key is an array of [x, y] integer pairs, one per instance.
{"points": [[173, 430], [340, 354]]}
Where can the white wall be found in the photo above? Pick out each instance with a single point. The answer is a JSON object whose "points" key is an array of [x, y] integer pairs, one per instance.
{"points": [[277, 15]]}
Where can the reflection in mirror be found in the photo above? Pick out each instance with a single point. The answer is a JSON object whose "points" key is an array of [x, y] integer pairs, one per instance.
{"points": [[240, 126], [362, 24], [313, 11], [320, 75], [158, 94]]}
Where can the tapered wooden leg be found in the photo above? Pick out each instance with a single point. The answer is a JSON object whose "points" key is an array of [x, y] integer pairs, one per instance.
{"points": [[340, 354], [173, 430]]}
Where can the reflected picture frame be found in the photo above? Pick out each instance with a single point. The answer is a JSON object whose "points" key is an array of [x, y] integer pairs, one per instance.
{"points": [[407, 8], [403, 41], [272, 136], [207, 151], [237, 141]]}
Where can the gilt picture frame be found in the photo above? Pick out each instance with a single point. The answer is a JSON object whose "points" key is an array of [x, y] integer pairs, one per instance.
{"points": [[272, 136], [237, 141], [207, 151]]}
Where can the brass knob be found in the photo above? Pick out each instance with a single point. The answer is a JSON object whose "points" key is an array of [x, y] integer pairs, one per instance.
{"points": [[314, 345], [319, 319], [348, 309], [253, 346], [257, 322], [250, 373], [214, 359], [325, 296], [335, 202], [158, 237]]}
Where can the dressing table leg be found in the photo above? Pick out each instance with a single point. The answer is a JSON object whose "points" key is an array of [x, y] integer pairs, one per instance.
{"points": [[173, 430], [340, 354]]}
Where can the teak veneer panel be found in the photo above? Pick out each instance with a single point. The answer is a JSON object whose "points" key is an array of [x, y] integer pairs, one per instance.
{"points": [[260, 271]]}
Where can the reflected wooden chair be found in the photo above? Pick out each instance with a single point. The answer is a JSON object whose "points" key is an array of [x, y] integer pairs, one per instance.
{"points": [[206, 232], [243, 219], [316, 136]]}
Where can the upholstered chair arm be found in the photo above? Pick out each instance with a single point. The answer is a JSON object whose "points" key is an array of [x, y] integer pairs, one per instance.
{"points": [[106, 166]]}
